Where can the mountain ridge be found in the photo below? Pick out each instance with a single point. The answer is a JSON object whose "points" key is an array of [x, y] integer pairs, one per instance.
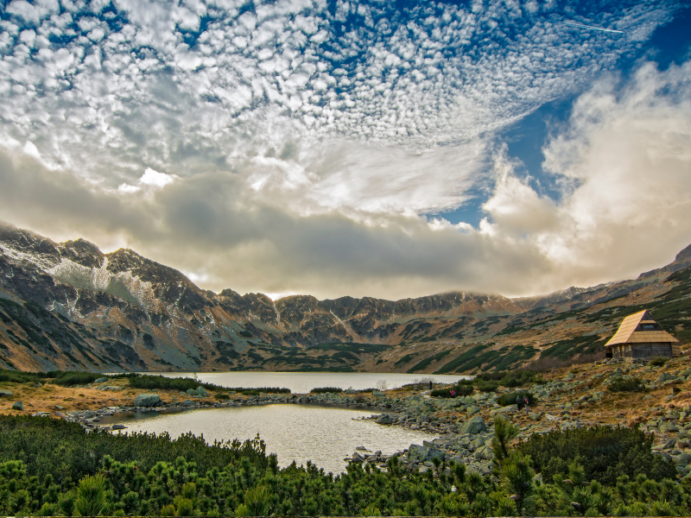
{"points": [[132, 313]]}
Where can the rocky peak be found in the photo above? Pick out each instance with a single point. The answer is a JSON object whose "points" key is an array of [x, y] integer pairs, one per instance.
{"points": [[82, 252]]}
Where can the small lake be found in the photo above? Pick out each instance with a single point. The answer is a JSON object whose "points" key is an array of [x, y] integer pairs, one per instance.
{"points": [[324, 435], [303, 382]]}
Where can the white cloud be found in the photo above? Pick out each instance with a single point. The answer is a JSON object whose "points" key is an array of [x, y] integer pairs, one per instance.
{"points": [[155, 179]]}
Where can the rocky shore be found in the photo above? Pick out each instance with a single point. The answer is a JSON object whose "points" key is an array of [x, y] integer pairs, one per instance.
{"points": [[567, 398]]}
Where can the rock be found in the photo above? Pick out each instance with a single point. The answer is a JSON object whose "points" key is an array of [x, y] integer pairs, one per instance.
{"points": [[682, 459], [59, 407], [471, 410], [18, 405], [669, 444], [40, 414], [193, 393], [5, 393], [417, 453], [112, 387], [101, 380], [147, 400], [119, 427], [385, 419], [475, 425], [202, 391], [89, 414], [188, 402], [361, 448], [377, 393]]}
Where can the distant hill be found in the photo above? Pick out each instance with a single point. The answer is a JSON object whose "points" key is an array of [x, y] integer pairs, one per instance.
{"points": [[70, 306]]}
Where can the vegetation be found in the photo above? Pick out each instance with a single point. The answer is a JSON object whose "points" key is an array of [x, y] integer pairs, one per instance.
{"points": [[510, 398], [605, 452], [148, 382], [64, 378], [50, 467], [326, 390], [459, 390], [632, 385], [657, 362]]}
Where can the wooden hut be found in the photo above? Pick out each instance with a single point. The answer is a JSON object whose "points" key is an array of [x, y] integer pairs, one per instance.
{"points": [[640, 337]]}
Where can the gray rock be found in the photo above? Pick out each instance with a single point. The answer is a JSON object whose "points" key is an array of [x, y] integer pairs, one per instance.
{"points": [[377, 393], [89, 414], [417, 453], [471, 410], [147, 400], [202, 391], [193, 393], [119, 427], [18, 405], [5, 393], [682, 458], [101, 380], [40, 414], [188, 402], [475, 425], [385, 419]]}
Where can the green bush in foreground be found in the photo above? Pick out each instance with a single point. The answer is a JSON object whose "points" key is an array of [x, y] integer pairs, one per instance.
{"points": [[65, 471]]}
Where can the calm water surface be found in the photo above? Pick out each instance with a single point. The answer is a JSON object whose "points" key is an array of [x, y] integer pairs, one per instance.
{"points": [[324, 435], [303, 382]]}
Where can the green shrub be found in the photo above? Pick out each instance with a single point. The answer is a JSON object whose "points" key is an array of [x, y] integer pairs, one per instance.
{"points": [[221, 396], [658, 362], [460, 390], [487, 386], [632, 385], [605, 452], [326, 390], [510, 398]]}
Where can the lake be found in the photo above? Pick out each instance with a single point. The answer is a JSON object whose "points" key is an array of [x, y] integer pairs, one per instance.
{"points": [[324, 435], [303, 382]]}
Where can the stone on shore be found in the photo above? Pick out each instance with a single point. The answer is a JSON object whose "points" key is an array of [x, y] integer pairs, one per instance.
{"points": [[474, 425], [147, 400], [202, 391]]}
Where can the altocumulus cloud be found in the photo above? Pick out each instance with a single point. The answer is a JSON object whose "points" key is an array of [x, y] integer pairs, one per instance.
{"points": [[295, 145]]}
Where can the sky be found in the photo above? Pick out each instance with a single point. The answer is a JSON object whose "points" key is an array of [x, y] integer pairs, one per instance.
{"points": [[391, 149]]}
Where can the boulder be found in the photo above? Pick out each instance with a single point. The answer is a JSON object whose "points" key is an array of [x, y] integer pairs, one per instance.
{"points": [[147, 400], [188, 402], [682, 459], [417, 453], [193, 393], [385, 419], [101, 380], [18, 405], [471, 410], [474, 425], [119, 427], [202, 391], [5, 393]]}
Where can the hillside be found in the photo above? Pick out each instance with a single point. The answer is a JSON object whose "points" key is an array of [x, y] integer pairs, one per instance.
{"points": [[70, 306]]}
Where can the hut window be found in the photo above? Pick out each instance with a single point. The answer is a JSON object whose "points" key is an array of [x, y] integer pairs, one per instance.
{"points": [[649, 327]]}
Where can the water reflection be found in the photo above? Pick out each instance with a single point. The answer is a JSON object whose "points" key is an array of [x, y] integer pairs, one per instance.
{"points": [[324, 435]]}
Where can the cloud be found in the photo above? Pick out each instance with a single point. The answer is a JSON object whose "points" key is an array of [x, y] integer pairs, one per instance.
{"points": [[625, 172], [296, 147]]}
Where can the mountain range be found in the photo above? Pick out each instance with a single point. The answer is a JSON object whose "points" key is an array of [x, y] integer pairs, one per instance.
{"points": [[69, 306]]}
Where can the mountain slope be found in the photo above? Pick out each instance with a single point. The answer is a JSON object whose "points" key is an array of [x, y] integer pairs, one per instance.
{"points": [[68, 305]]}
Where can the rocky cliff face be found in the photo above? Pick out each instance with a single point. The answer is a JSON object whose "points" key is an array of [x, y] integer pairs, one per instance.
{"points": [[68, 305]]}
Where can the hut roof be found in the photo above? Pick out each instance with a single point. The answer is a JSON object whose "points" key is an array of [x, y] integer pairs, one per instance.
{"points": [[628, 334]]}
